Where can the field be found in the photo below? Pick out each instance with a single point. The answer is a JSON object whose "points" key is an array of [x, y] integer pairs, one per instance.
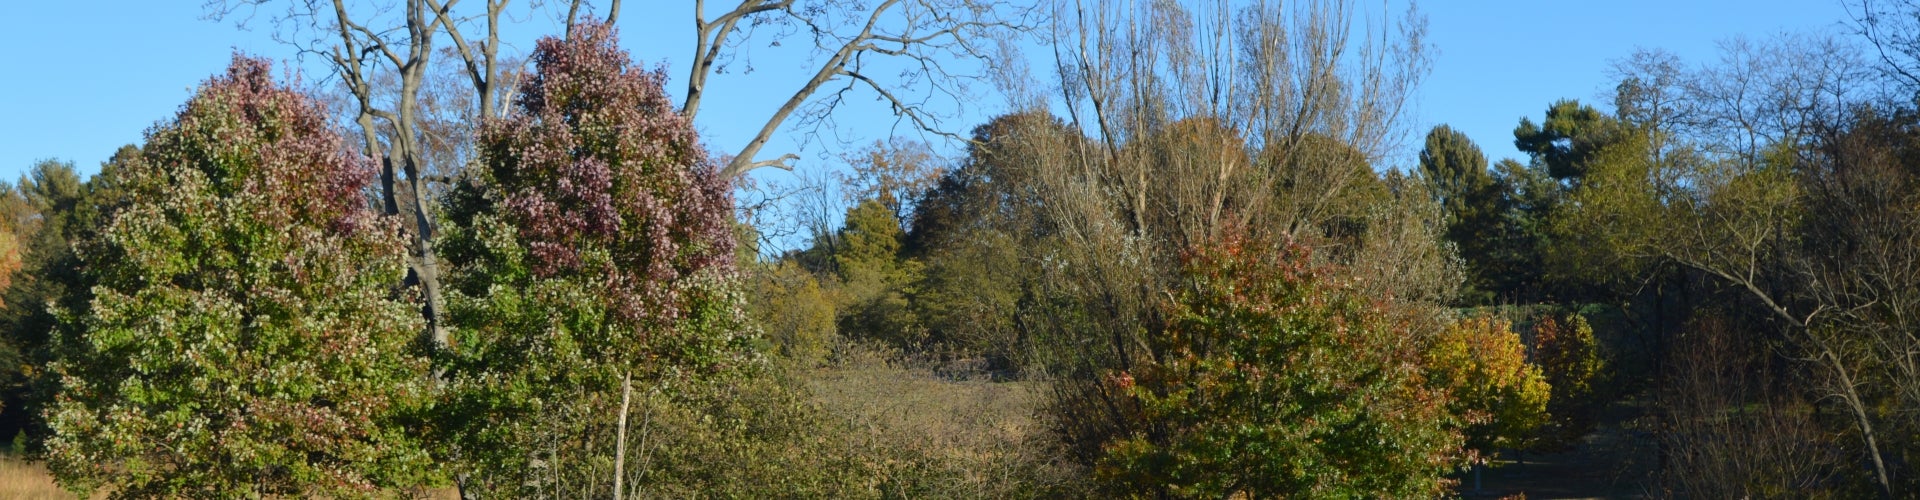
{"points": [[20, 479]]}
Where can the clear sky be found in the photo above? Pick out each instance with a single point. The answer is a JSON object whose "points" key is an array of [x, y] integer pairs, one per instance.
{"points": [[84, 78], [1501, 60]]}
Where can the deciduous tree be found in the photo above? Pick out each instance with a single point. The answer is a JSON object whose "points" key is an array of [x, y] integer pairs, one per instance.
{"points": [[593, 259], [244, 336]]}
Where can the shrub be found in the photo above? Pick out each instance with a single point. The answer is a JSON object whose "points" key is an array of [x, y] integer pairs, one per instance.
{"points": [[1272, 379], [1570, 357], [1498, 398]]}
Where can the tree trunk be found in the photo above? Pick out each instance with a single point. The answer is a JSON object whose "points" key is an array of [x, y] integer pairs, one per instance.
{"points": [[620, 438], [1851, 397]]}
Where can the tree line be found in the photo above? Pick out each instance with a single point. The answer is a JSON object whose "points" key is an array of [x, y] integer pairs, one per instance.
{"points": [[1189, 237]]}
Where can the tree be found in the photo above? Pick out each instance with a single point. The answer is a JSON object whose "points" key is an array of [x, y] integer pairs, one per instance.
{"points": [[1457, 171], [244, 336], [49, 211], [1498, 398], [1202, 117], [1570, 359], [1571, 134], [856, 40], [591, 252], [893, 174], [1601, 232], [1271, 380], [794, 312], [876, 280], [1890, 25], [977, 232], [396, 41], [1471, 198]]}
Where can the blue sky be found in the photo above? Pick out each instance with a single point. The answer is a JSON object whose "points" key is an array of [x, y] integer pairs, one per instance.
{"points": [[86, 77]]}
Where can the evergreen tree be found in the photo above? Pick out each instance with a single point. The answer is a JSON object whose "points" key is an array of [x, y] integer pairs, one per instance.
{"points": [[1457, 172]]}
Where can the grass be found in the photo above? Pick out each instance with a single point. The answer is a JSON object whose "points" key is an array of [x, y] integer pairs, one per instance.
{"points": [[22, 479], [981, 437]]}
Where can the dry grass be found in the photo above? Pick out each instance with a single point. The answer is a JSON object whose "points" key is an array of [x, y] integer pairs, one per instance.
{"points": [[982, 436], [971, 438], [21, 479]]}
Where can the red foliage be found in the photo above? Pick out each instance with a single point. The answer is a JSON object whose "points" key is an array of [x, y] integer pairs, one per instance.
{"points": [[596, 159], [319, 179]]}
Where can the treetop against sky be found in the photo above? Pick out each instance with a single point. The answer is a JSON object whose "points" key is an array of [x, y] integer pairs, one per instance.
{"points": [[89, 78]]}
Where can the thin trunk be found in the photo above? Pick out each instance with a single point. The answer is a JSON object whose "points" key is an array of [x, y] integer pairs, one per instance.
{"points": [[620, 438], [1851, 397]]}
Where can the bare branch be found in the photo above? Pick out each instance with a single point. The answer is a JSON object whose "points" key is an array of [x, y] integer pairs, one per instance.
{"points": [[925, 33]]}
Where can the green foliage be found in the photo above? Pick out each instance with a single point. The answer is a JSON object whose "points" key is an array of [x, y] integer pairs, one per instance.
{"points": [[1457, 171], [1272, 380], [244, 337], [969, 295], [1604, 231], [48, 211], [1575, 146], [592, 246], [1475, 217], [976, 233], [869, 245], [1568, 139], [876, 281], [795, 314]]}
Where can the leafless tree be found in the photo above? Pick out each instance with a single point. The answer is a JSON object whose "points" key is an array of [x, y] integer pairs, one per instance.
{"points": [[932, 41], [1893, 28], [1185, 120]]}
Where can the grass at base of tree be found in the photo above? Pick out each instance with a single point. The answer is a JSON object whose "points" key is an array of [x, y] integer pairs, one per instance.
{"points": [[23, 479]]}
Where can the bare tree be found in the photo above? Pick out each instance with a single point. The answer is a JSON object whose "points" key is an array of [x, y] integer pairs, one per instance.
{"points": [[932, 40], [1893, 27]]}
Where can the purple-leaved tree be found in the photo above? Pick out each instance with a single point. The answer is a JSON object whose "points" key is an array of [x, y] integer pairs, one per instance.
{"points": [[590, 255]]}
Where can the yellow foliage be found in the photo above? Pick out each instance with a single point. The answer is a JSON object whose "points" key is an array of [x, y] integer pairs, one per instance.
{"points": [[10, 258], [796, 315], [1499, 397]]}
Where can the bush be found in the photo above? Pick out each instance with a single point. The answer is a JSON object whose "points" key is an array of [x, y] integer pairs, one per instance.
{"points": [[1273, 380], [1498, 398], [1570, 356]]}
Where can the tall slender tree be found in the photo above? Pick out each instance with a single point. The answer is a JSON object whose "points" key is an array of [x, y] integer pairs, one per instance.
{"points": [[592, 252]]}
